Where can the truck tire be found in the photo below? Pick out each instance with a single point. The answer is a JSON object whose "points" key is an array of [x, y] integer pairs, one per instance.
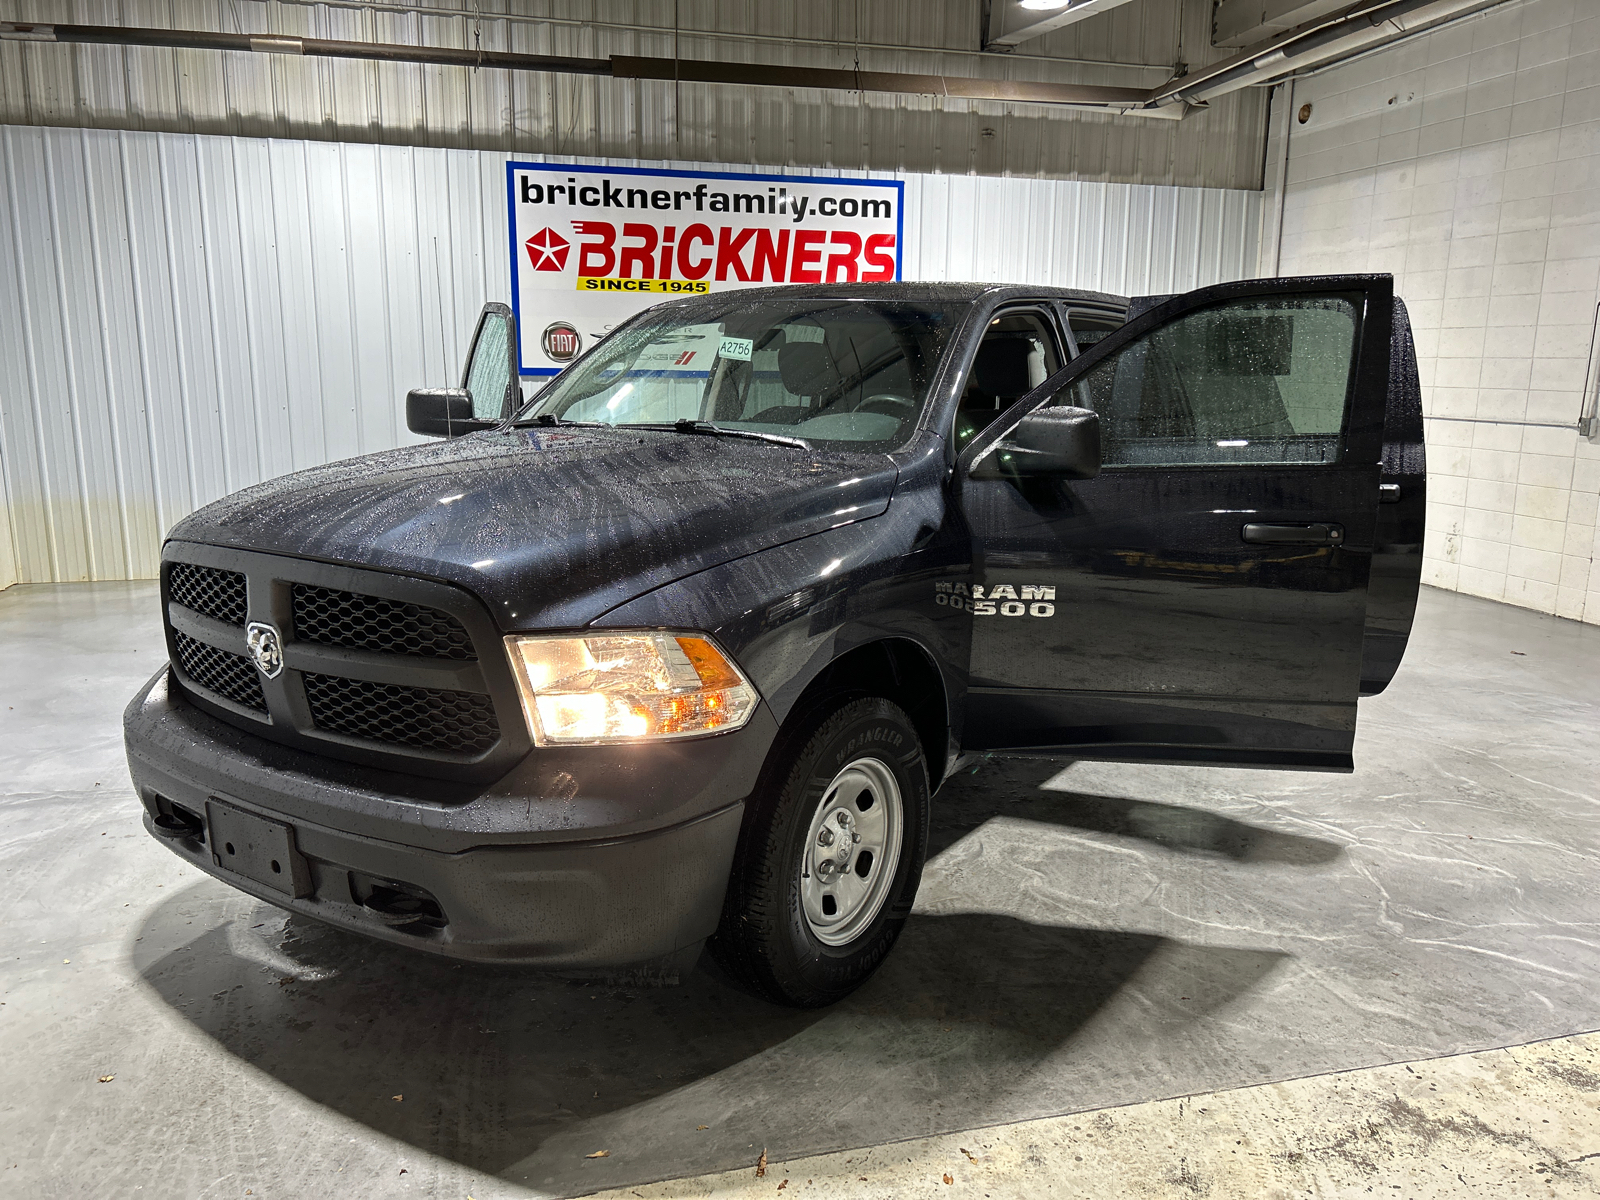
{"points": [[830, 855]]}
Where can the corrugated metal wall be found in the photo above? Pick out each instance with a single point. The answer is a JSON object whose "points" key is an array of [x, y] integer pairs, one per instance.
{"points": [[194, 91], [184, 315]]}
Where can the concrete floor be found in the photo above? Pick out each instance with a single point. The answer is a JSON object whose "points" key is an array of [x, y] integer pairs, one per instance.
{"points": [[1086, 938], [1518, 1123]]}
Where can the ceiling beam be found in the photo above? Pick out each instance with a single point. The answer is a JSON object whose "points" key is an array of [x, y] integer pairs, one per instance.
{"points": [[1095, 97]]}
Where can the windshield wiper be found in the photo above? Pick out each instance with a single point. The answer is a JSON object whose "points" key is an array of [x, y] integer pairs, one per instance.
{"points": [[685, 425], [550, 419]]}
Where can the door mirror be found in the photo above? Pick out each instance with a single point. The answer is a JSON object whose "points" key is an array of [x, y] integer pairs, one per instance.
{"points": [[442, 412], [489, 391], [1062, 442]]}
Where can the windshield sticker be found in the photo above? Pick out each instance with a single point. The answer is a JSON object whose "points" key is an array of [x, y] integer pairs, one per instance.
{"points": [[998, 600], [737, 348]]}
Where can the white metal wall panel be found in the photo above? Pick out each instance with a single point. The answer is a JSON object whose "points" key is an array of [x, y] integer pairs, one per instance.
{"points": [[1466, 161], [184, 315], [196, 91]]}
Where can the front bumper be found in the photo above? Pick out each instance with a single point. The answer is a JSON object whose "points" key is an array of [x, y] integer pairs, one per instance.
{"points": [[581, 857]]}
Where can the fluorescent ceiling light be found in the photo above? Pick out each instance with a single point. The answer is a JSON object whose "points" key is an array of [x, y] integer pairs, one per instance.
{"points": [[1012, 24]]}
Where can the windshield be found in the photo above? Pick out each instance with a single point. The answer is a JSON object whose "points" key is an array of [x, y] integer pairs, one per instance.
{"points": [[850, 372]]}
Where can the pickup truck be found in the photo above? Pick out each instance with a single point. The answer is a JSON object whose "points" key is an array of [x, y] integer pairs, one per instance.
{"points": [[678, 651]]}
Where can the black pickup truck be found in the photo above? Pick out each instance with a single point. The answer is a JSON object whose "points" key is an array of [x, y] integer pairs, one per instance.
{"points": [[682, 647]]}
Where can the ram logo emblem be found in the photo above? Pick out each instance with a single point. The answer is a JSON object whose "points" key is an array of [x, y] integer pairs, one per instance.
{"points": [[266, 648], [998, 600]]}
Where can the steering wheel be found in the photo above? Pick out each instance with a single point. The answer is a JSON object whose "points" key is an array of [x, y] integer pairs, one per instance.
{"points": [[889, 405]]}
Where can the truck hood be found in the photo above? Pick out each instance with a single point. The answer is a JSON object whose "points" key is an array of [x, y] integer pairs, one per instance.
{"points": [[551, 527]]}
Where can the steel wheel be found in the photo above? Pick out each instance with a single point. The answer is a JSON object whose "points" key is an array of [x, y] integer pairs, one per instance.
{"points": [[851, 851]]}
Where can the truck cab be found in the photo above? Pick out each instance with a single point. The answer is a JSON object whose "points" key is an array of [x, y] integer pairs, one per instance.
{"points": [[681, 647]]}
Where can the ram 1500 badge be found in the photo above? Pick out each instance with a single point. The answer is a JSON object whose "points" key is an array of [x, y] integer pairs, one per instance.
{"points": [[679, 650]]}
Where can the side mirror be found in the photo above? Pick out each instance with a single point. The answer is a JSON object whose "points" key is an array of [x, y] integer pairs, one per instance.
{"points": [[442, 412], [490, 389], [1063, 442]]}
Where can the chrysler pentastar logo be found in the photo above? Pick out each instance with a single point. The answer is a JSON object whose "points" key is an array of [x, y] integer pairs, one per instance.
{"points": [[266, 648]]}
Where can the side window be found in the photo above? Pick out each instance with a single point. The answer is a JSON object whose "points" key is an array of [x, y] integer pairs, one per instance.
{"points": [[1017, 354], [489, 371], [1265, 380], [1089, 328]]}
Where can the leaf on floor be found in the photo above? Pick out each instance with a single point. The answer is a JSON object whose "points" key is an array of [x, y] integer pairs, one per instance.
{"points": [[761, 1164], [599, 1154], [107, 1078], [971, 1157], [947, 1178], [397, 1097]]}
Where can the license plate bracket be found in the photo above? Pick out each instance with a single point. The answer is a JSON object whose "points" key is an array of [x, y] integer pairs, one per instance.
{"points": [[258, 849]]}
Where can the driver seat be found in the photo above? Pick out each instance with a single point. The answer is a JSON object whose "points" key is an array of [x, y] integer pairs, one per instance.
{"points": [[807, 371], [998, 379]]}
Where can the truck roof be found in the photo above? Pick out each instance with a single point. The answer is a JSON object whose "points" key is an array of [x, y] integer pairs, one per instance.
{"points": [[948, 293]]}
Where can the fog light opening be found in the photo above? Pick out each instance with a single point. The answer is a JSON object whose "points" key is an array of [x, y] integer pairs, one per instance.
{"points": [[401, 906]]}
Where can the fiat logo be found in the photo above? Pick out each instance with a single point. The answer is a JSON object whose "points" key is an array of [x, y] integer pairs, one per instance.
{"points": [[562, 342], [266, 648]]}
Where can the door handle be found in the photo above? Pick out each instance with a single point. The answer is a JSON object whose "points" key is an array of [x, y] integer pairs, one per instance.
{"points": [[1321, 534]]}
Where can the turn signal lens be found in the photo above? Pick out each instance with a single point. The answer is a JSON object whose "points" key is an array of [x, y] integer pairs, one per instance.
{"points": [[633, 687]]}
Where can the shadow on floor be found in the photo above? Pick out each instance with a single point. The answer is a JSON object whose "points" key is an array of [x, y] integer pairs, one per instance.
{"points": [[1016, 789], [521, 1074]]}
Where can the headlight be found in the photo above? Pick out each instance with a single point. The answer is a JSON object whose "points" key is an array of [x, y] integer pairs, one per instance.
{"points": [[628, 687]]}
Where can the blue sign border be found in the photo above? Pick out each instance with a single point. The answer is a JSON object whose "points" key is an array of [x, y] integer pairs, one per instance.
{"points": [[512, 167]]}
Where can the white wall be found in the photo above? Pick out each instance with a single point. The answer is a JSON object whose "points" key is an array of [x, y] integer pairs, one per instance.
{"points": [[183, 315], [1465, 162]]}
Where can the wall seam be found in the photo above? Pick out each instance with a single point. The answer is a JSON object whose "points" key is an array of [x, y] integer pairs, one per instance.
{"points": [[112, 384], [30, 354]]}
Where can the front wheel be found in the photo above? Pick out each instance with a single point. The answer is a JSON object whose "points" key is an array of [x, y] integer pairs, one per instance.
{"points": [[830, 855]]}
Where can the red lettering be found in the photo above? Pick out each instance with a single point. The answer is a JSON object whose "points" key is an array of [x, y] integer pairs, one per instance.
{"points": [[667, 235], [691, 268], [770, 258], [876, 245], [607, 257], [728, 254], [807, 250], [641, 256], [842, 264]]}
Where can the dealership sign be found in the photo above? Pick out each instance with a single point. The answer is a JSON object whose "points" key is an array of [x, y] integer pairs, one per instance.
{"points": [[592, 246]]}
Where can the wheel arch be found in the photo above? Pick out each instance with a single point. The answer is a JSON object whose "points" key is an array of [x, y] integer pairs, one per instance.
{"points": [[900, 670]]}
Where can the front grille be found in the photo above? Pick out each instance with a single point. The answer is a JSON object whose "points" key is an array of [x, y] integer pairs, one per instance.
{"points": [[230, 675], [432, 718], [378, 668], [208, 591], [336, 618]]}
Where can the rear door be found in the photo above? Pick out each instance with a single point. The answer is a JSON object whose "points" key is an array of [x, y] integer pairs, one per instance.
{"points": [[1204, 598]]}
